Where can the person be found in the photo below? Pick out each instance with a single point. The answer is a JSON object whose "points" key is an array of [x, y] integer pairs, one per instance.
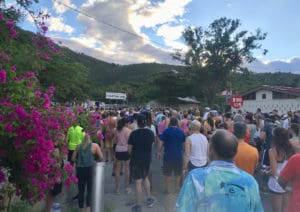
{"points": [[291, 174], [109, 139], [266, 136], [196, 148], [247, 155], [173, 139], [206, 113], [279, 153], [184, 123], [229, 121], [122, 153], [75, 136], [52, 193], [295, 136], [209, 126], [85, 161], [220, 186], [140, 147]]}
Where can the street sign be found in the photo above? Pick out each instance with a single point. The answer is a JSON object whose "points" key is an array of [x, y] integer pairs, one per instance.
{"points": [[236, 101]]}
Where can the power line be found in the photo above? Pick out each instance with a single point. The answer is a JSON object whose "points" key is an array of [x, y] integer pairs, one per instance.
{"points": [[108, 24]]}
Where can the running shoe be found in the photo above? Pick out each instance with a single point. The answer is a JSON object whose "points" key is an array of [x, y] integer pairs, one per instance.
{"points": [[128, 190], [150, 202]]}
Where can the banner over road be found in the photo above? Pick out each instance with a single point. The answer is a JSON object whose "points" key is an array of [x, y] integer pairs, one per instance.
{"points": [[111, 95]]}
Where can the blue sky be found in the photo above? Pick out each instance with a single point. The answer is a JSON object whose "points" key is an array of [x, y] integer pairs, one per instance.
{"points": [[158, 24]]}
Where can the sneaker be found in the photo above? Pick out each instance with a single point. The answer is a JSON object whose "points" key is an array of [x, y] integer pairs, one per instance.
{"points": [[150, 202], [136, 208], [128, 190], [56, 205], [75, 197]]}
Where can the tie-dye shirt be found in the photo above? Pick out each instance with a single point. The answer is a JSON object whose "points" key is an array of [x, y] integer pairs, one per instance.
{"points": [[221, 187]]}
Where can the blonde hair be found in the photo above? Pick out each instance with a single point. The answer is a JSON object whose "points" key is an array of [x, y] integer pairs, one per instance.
{"points": [[86, 141], [195, 125]]}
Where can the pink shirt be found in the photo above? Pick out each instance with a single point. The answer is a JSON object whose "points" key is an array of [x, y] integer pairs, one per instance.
{"points": [[122, 140]]}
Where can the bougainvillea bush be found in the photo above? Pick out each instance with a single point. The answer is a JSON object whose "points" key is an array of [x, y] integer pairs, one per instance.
{"points": [[31, 130]]}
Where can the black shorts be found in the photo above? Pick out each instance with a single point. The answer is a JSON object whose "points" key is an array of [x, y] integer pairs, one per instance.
{"points": [[170, 166], [139, 170], [70, 153], [122, 156]]}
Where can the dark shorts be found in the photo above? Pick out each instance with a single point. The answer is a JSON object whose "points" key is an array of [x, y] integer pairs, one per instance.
{"points": [[170, 166], [191, 166], [70, 153], [56, 189], [122, 156], [139, 170]]}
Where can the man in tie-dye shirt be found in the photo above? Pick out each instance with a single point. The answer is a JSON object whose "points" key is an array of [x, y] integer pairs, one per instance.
{"points": [[220, 186]]}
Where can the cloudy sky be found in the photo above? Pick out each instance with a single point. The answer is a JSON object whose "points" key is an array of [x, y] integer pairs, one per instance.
{"points": [[136, 31]]}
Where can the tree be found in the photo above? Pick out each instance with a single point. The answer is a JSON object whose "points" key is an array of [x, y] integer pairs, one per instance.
{"points": [[218, 51]]}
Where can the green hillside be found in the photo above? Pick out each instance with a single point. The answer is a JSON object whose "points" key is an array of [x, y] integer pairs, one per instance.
{"points": [[78, 76]]}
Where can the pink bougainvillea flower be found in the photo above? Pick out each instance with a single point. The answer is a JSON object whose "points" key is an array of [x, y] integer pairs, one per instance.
{"points": [[100, 136], [37, 94], [51, 90], [10, 24], [13, 33], [2, 176], [13, 68], [69, 168], [1, 17], [105, 121], [2, 76], [46, 103], [30, 85], [30, 74], [79, 109], [9, 127]]}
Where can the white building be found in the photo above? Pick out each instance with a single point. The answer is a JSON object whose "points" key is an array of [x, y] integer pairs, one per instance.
{"points": [[268, 98]]}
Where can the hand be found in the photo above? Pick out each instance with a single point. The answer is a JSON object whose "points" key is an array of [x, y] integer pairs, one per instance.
{"points": [[158, 155]]}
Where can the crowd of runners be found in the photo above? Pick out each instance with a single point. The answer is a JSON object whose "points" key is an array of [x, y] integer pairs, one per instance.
{"points": [[214, 157]]}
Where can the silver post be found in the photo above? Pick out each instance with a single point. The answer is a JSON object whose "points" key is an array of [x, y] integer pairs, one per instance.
{"points": [[97, 204]]}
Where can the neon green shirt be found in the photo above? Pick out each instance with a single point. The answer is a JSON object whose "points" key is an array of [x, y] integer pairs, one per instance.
{"points": [[75, 136]]}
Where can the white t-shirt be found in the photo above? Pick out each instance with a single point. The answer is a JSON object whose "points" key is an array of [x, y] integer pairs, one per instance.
{"points": [[199, 145]]}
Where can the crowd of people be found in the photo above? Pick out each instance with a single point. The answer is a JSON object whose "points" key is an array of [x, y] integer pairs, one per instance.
{"points": [[213, 157]]}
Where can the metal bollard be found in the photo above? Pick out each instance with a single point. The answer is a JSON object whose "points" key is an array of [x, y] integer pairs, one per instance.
{"points": [[97, 204]]}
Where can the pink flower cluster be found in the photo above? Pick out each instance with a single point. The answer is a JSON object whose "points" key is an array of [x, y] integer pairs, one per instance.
{"points": [[29, 129]]}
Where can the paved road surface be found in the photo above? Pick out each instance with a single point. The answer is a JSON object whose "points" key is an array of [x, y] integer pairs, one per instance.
{"points": [[121, 203]]}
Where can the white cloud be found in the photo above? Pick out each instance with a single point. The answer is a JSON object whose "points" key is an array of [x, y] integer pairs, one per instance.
{"points": [[149, 15], [289, 65], [130, 16], [60, 8], [171, 34], [56, 24]]}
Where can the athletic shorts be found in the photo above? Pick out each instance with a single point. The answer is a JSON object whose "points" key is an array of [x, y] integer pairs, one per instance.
{"points": [[122, 156], [70, 153], [139, 170], [170, 166]]}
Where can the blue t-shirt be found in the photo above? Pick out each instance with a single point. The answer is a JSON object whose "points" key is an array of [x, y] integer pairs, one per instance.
{"points": [[220, 186], [173, 138]]}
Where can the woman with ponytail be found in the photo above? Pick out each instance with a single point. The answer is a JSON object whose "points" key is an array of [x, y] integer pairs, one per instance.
{"points": [[85, 153]]}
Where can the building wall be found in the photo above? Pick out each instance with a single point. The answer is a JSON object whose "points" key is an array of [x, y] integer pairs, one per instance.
{"points": [[268, 95], [268, 104]]}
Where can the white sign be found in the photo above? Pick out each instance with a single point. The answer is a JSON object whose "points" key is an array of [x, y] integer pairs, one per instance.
{"points": [[121, 96]]}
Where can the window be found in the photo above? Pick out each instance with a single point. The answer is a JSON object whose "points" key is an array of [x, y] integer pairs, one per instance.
{"points": [[263, 96]]}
